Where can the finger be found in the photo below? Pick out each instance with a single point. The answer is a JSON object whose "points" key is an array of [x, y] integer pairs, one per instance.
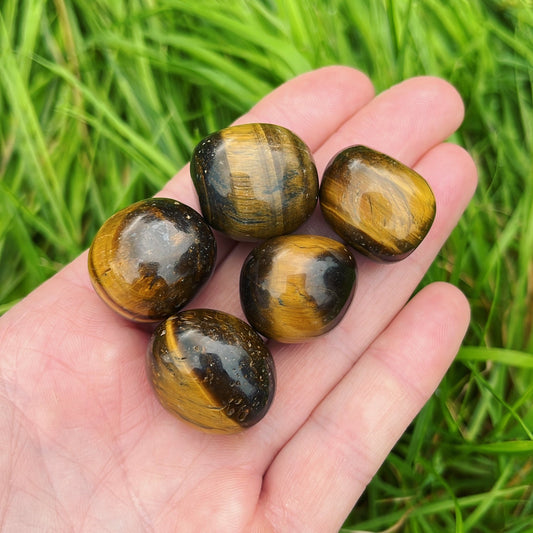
{"points": [[404, 121], [381, 292], [383, 289], [313, 106], [315, 480]]}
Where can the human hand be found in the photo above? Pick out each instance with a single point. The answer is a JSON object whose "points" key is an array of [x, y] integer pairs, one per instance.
{"points": [[87, 447]]}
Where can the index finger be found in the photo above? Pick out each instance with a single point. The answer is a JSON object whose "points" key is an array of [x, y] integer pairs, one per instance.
{"points": [[313, 106]]}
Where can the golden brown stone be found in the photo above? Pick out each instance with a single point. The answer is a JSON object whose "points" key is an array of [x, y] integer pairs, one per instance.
{"points": [[212, 370], [297, 287], [254, 181], [376, 204], [150, 259]]}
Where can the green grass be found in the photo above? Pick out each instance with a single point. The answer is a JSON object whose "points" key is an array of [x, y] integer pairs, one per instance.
{"points": [[100, 102]]}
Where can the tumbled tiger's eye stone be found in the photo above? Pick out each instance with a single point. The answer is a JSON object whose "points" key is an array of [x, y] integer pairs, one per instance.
{"points": [[254, 181], [212, 370], [296, 287], [150, 259], [376, 204]]}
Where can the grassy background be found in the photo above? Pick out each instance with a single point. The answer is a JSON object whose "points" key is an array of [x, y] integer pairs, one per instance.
{"points": [[101, 102]]}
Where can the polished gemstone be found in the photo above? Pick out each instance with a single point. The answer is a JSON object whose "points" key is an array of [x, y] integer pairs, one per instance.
{"points": [[212, 370], [296, 287], [376, 204], [150, 259], [254, 181]]}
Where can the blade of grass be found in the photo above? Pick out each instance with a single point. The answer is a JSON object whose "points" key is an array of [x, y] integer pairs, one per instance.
{"points": [[508, 447], [139, 143], [438, 508], [497, 355], [28, 124]]}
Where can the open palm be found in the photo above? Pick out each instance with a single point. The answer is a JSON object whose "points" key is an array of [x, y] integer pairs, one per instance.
{"points": [[84, 444]]}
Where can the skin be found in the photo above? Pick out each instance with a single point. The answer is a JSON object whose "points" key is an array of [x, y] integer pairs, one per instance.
{"points": [[87, 447]]}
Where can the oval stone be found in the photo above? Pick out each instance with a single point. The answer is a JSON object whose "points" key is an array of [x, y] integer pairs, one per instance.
{"points": [[297, 287], [212, 370], [254, 181], [376, 204], [150, 259]]}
